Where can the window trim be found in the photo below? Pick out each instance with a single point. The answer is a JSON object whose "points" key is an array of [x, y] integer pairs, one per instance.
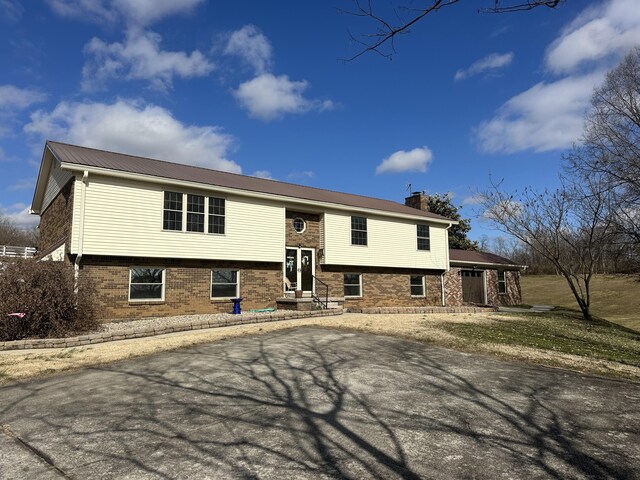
{"points": [[208, 215], [147, 300], [304, 224], [419, 237], [190, 212], [422, 281], [352, 284], [182, 215], [366, 231], [503, 282], [237, 295]]}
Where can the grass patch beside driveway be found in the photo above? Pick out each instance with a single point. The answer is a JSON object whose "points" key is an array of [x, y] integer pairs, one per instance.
{"points": [[555, 332]]}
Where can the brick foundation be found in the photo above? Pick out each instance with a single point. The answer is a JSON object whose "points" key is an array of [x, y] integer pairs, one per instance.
{"points": [[383, 287], [187, 286]]}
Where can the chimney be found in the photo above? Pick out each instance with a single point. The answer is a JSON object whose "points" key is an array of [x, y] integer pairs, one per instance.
{"points": [[417, 200]]}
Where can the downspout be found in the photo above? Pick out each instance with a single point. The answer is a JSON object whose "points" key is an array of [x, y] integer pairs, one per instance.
{"points": [[444, 299], [83, 196]]}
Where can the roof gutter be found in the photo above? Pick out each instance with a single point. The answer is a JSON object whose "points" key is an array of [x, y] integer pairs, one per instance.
{"points": [[486, 264], [247, 193]]}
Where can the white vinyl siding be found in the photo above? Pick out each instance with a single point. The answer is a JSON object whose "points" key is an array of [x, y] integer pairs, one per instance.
{"points": [[390, 243], [125, 218]]}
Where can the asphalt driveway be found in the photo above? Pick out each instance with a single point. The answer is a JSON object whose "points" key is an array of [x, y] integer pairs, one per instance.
{"points": [[312, 403]]}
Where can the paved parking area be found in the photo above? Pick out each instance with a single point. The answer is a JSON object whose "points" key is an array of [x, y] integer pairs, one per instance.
{"points": [[314, 403]]}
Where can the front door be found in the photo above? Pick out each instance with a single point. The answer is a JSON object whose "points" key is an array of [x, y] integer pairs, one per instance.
{"points": [[472, 286], [299, 267]]}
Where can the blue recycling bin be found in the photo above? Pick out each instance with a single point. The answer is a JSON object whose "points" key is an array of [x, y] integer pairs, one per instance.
{"points": [[236, 306]]}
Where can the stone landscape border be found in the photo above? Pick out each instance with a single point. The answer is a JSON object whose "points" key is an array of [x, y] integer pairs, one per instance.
{"points": [[214, 322]]}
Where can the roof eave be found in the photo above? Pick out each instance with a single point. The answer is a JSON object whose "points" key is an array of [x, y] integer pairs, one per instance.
{"points": [[43, 178], [76, 167], [487, 264]]}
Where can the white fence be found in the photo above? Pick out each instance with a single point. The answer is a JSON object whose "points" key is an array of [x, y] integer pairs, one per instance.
{"points": [[17, 252]]}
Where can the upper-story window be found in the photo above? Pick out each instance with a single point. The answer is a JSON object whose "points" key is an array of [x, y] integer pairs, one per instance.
{"points": [[172, 218], [358, 231], [195, 213], [216, 215], [424, 240], [200, 213]]}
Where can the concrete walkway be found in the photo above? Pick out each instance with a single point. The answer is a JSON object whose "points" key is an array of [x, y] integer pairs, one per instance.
{"points": [[320, 403], [534, 308]]}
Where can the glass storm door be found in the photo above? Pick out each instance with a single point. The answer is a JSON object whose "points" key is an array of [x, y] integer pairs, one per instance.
{"points": [[299, 268]]}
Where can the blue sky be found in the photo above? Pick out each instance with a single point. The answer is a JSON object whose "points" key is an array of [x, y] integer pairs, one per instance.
{"points": [[259, 88]]}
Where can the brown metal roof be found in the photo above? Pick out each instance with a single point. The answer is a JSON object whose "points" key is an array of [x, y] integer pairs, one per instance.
{"points": [[158, 168], [469, 256]]}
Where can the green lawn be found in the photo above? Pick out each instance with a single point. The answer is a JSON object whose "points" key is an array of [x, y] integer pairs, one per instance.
{"points": [[562, 332], [614, 297]]}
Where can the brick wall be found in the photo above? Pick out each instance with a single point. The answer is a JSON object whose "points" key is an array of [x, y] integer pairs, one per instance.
{"points": [[383, 287], [187, 286], [55, 221], [310, 237], [513, 296]]}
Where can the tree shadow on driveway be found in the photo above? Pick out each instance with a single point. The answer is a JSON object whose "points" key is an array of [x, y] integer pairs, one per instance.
{"points": [[320, 403]]}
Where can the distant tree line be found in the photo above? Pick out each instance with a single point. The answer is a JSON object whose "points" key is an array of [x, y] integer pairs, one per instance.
{"points": [[11, 234]]}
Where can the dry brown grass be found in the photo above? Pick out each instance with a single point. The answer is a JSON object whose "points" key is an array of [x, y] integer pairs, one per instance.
{"points": [[614, 297], [19, 365]]}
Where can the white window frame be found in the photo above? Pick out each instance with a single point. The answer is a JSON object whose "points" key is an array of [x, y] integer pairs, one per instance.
{"points": [[182, 218], [164, 284], [352, 284], [187, 212], [418, 237], [424, 288], [237, 295], [304, 224], [366, 231], [504, 282], [208, 199]]}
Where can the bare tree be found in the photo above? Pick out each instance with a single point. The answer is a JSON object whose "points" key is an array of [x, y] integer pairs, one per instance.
{"points": [[11, 234], [570, 228], [399, 22], [610, 147]]}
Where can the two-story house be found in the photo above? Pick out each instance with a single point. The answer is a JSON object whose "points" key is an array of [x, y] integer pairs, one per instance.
{"points": [[161, 238]]}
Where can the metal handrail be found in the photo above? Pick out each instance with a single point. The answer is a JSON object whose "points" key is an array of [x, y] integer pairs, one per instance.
{"points": [[324, 304]]}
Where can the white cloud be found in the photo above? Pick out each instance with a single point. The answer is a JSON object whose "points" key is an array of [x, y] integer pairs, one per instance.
{"points": [[609, 29], [492, 61], [12, 97], [548, 116], [473, 199], [415, 160], [262, 174], [140, 58], [11, 10], [252, 46], [138, 129], [18, 214], [306, 174], [132, 12], [25, 184], [267, 97]]}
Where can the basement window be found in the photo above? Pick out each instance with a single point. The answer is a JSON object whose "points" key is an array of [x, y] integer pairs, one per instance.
{"points": [[146, 283], [224, 284], [352, 285], [417, 285]]}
